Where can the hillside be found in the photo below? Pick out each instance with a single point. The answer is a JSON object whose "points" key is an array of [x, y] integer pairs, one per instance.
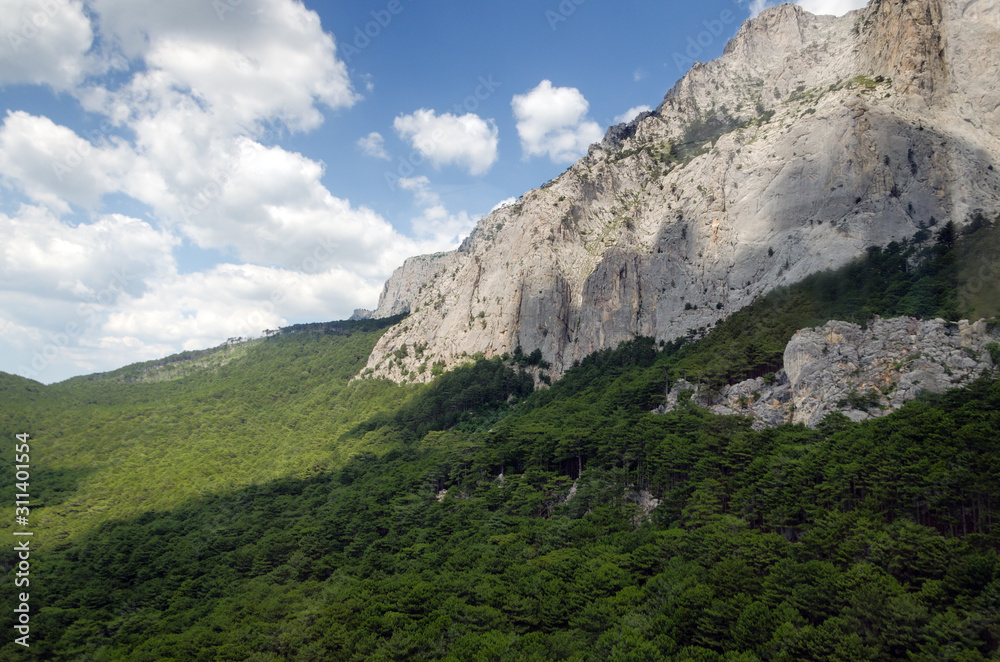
{"points": [[810, 140], [724, 391], [114, 444], [271, 508]]}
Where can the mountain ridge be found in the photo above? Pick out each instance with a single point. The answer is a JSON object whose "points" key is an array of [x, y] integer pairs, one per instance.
{"points": [[811, 139]]}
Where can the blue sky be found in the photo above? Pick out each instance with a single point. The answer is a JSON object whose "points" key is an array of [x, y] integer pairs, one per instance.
{"points": [[176, 174]]}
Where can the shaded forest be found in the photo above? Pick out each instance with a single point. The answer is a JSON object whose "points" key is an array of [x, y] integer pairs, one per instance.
{"points": [[267, 507]]}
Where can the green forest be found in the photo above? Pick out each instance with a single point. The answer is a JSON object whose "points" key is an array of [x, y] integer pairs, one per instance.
{"points": [[256, 502]]}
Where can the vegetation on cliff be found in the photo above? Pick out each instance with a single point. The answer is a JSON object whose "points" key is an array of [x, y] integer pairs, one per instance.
{"points": [[273, 508]]}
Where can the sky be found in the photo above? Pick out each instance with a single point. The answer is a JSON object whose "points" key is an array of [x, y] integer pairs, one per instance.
{"points": [[175, 174]]}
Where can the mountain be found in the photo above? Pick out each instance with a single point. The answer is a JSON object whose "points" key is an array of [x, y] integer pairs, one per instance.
{"points": [[810, 140], [258, 501]]}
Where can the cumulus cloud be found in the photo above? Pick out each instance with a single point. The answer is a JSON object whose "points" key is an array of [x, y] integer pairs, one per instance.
{"points": [[263, 60], [205, 308], [373, 145], [46, 42], [835, 7], [631, 114], [272, 207], [93, 296], [56, 167], [42, 257], [267, 203], [436, 223], [60, 281], [199, 114], [553, 121], [194, 107], [206, 90], [819, 7], [177, 312], [468, 140], [506, 202]]}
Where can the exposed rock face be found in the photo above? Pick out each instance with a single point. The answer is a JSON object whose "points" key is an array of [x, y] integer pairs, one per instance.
{"points": [[863, 373], [768, 403], [812, 138]]}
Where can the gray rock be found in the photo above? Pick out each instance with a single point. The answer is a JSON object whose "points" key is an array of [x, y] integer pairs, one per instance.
{"points": [[811, 139], [861, 372]]}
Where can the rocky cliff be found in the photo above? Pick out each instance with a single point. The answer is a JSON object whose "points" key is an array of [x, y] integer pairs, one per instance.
{"points": [[861, 372], [810, 139]]}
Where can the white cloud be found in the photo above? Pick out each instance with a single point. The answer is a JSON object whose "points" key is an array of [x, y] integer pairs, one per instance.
{"points": [[42, 257], [835, 7], [267, 203], [46, 42], [819, 7], [373, 145], [269, 59], [436, 223], [420, 187], [231, 300], [95, 296], [631, 114], [468, 141], [553, 121], [56, 167], [174, 313], [507, 202], [60, 282], [194, 107], [638, 75], [198, 109], [271, 206]]}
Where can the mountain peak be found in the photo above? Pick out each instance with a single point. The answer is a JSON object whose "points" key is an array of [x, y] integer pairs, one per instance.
{"points": [[811, 139]]}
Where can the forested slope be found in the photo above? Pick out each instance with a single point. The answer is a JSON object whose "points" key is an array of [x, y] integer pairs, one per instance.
{"points": [[270, 508]]}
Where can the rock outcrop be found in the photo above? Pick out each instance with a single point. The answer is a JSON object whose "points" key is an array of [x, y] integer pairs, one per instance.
{"points": [[861, 372], [809, 140]]}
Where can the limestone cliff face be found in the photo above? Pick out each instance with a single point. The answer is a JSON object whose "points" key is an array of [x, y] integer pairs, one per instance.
{"points": [[863, 373], [810, 139]]}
